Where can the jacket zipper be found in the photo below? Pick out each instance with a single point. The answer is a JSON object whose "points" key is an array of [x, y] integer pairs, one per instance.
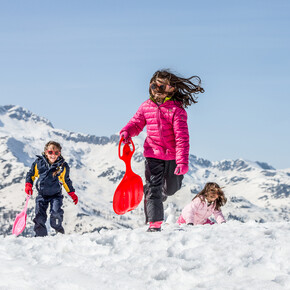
{"points": [[160, 127], [203, 219]]}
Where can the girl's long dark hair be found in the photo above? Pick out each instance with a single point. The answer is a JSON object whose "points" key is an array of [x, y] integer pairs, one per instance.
{"points": [[185, 88], [212, 187]]}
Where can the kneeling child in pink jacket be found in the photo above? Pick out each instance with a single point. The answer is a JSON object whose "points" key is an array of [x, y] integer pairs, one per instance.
{"points": [[206, 203]]}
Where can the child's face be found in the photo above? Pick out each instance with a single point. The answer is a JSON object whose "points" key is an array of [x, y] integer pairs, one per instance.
{"points": [[52, 153], [160, 88], [212, 196]]}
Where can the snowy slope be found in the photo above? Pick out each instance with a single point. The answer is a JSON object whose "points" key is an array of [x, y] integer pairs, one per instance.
{"points": [[255, 190], [234, 255]]}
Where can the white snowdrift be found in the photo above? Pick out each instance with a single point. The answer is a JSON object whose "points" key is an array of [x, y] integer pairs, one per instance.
{"points": [[227, 256]]}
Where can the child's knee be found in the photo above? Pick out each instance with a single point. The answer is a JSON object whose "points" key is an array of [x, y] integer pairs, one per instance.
{"points": [[40, 219], [56, 219]]}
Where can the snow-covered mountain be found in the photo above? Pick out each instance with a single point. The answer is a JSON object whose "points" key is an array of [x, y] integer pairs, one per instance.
{"points": [[255, 190]]}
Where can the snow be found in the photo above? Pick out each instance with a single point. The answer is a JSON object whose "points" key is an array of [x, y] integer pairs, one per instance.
{"points": [[226, 256]]}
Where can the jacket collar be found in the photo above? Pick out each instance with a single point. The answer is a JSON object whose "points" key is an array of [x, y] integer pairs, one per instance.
{"points": [[165, 100], [59, 161]]}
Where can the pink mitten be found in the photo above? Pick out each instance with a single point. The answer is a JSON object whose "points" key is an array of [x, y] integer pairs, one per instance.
{"points": [[181, 169], [125, 135]]}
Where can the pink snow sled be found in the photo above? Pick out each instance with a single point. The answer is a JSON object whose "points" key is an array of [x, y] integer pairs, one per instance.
{"points": [[129, 192], [20, 220]]}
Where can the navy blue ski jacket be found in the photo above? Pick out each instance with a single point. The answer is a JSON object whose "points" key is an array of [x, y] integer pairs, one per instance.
{"points": [[47, 184]]}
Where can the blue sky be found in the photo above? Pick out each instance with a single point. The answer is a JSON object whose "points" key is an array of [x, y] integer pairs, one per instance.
{"points": [[86, 65]]}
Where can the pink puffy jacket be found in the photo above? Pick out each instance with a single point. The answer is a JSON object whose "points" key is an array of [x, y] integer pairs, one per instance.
{"points": [[167, 131], [197, 212]]}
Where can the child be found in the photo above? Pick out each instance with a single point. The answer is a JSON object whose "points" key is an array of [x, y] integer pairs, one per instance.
{"points": [[203, 205], [166, 148], [52, 172]]}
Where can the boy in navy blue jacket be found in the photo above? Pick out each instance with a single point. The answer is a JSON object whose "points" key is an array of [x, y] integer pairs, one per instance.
{"points": [[52, 172]]}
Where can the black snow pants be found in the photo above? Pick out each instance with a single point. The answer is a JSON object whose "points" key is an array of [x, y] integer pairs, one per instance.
{"points": [[56, 214], [160, 183]]}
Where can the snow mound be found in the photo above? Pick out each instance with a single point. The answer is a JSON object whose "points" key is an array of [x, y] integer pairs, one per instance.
{"points": [[228, 256]]}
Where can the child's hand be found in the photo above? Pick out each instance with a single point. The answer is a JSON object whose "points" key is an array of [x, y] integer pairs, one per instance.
{"points": [[28, 188], [181, 169], [74, 197], [125, 135]]}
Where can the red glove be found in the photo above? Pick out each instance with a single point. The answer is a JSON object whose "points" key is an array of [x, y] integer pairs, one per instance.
{"points": [[74, 197], [125, 135], [28, 188], [181, 169]]}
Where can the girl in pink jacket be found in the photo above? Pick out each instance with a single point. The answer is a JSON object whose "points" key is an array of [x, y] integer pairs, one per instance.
{"points": [[166, 148], [206, 203]]}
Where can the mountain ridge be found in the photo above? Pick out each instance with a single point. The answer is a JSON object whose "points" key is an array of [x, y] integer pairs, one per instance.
{"points": [[255, 189]]}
